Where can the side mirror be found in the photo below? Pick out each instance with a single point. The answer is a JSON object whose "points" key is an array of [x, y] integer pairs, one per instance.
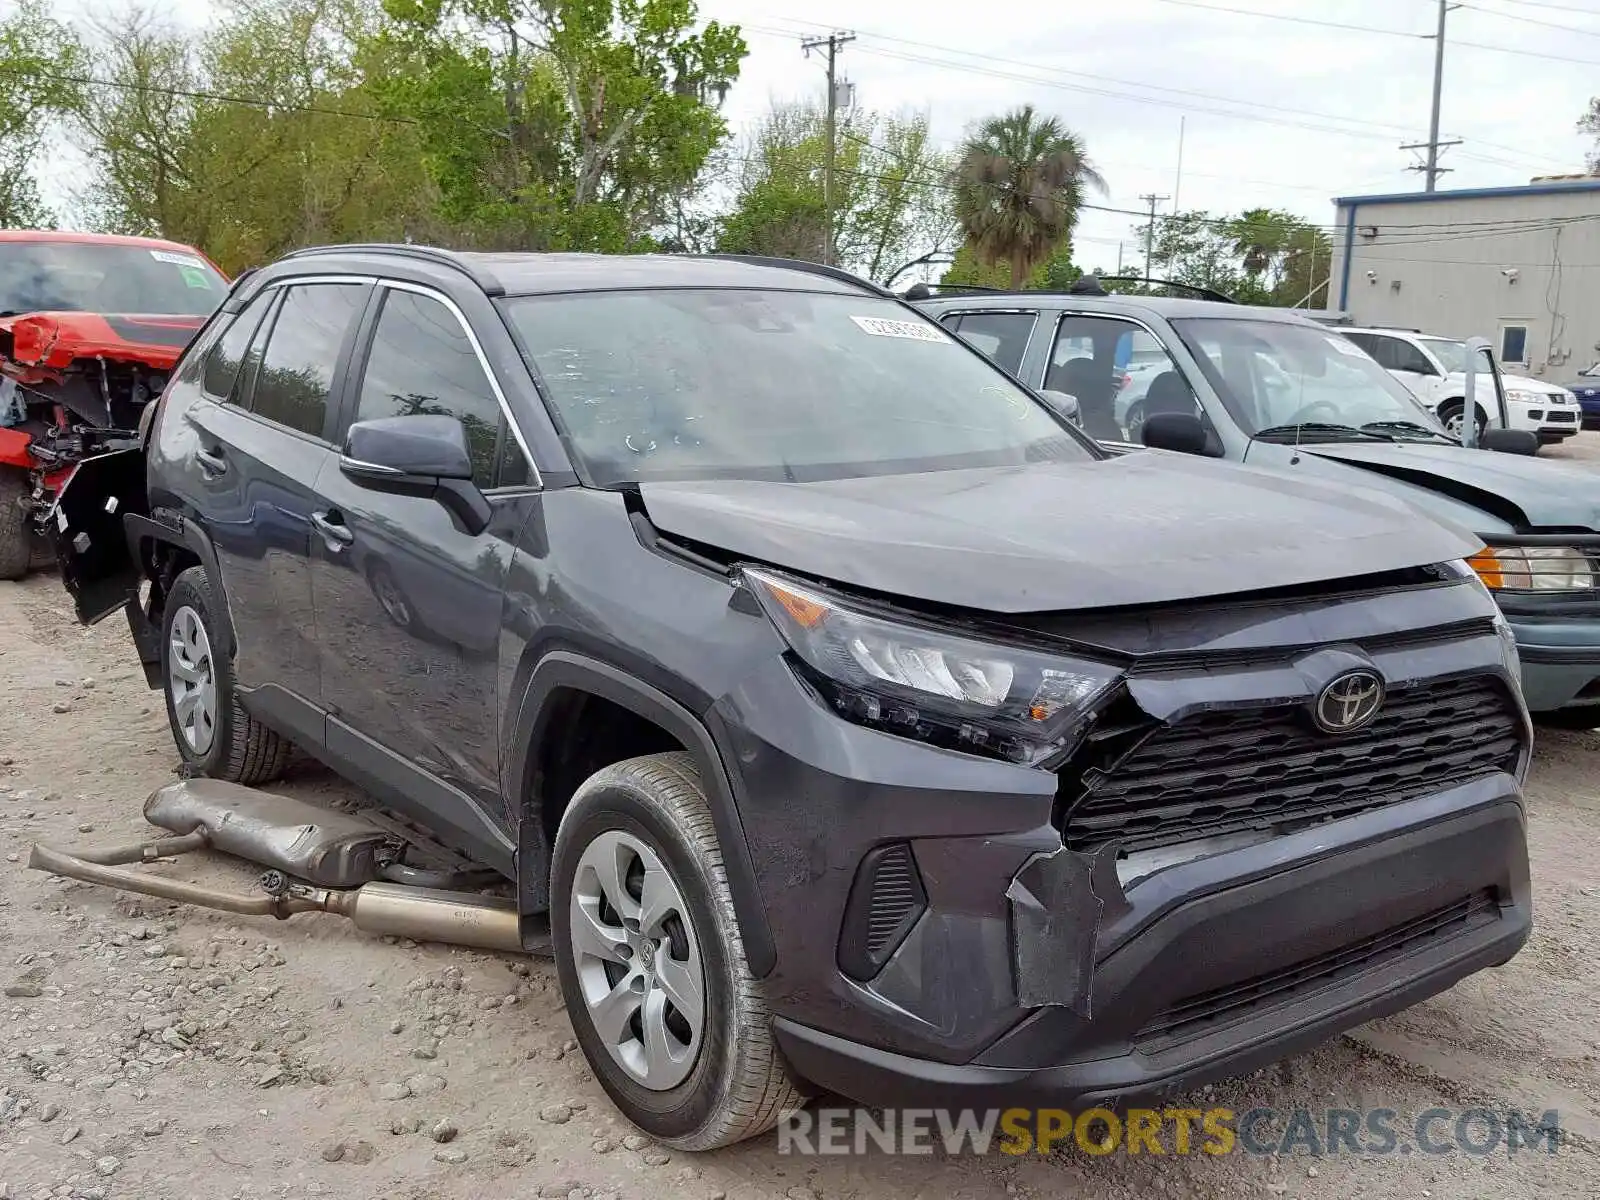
{"points": [[1183, 432], [1509, 441], [1065, 405], [434, 447], [423, 455]]}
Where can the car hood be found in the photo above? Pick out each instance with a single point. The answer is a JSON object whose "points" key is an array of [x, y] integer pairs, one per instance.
{"points": [[1525, 383], [1523, 491], [1142, 528]]}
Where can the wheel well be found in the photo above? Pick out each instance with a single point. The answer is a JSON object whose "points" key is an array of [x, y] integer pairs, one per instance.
{"points": [[162, 563], [579, 733]]}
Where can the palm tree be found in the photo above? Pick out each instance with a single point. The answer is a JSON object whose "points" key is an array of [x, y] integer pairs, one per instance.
{"points": [[1260, 236], [1017, 187]]}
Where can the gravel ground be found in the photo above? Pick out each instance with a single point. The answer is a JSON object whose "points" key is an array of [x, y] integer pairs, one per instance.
{"points": [[152, 1051]]}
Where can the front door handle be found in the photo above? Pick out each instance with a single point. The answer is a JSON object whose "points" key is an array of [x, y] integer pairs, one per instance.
{"points": [[335, 533], [212, 463]]}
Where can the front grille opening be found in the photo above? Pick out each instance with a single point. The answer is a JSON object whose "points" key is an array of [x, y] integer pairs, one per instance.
{"points": [[1209, 1010], [1271, 770]]}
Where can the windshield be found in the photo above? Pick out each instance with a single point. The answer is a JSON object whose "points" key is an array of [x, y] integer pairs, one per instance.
{"points": [[1276, 373], [105, 277], [731, 383], [1452, 355]]}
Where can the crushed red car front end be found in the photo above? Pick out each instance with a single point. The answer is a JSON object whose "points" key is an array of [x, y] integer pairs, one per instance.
{"points": [[75, 380]]}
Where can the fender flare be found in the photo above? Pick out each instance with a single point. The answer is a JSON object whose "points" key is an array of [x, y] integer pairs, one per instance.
{"points": [[177, 530], [563, 670]]}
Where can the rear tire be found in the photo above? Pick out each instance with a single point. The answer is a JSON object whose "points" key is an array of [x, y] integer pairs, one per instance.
{"points": [[214, 734], [648, 818], [16, 530]]}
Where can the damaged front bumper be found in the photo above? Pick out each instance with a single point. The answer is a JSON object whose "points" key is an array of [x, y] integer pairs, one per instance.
{"points": [[948, 931], [1220, 966]]}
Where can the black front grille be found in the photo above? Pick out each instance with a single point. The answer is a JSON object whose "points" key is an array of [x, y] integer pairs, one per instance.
{"points": [[1266, 769], [1192, 1017]]}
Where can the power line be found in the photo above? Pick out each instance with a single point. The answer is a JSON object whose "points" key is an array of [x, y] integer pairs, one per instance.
{"points": [[1372, 29], [1523, 19], [1153, 100]]}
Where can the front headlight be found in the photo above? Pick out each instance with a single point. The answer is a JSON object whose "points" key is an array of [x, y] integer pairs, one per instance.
{"points": [[930, 683], [1518, 396], [1534, 568]]}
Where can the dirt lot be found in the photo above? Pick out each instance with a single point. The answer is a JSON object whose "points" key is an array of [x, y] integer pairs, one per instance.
{"points": [[148, 1051]]}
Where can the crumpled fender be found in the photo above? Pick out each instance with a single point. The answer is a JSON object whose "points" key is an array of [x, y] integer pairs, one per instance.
{"points": [[52, 341]]}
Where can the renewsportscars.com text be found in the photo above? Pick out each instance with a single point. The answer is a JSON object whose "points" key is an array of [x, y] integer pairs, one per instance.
{"points": [[1177, 1131]]}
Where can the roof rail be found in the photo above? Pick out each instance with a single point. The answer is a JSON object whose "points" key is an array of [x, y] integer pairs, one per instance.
{"points": [[434, 254], [801, 264], [922, 291], [1200, 293]]}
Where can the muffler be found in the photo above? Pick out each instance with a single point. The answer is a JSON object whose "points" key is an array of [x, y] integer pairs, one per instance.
{"points": [[311, 851]]}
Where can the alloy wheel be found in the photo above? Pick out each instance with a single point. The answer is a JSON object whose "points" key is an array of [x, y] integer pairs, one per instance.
{"points": [[637, 959]]}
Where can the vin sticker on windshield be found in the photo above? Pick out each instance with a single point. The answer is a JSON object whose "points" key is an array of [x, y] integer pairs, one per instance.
{"points": [[917, 331], [182, 260]]}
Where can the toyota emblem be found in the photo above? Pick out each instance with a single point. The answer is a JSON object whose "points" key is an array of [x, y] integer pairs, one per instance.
{"points": [[1349, 702]]}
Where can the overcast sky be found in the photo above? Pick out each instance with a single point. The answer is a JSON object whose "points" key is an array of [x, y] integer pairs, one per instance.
{"points": [[1282, 111]]}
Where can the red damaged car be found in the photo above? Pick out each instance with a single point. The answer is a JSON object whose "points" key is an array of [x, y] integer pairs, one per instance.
{"points": [[90, 325]]}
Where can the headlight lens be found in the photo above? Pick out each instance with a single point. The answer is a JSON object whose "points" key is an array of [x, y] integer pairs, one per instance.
{"points": [[1518, 396], [929, 683], [1534, 568]]}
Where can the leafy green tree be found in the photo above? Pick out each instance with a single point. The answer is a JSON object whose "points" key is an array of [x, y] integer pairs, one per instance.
{"points": [[1055, 274], [890, 200], [1018, 183], [1262, 256], [42, 62], [561, 124]]}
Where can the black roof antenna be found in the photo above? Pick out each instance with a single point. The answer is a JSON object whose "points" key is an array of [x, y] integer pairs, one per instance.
{"points": [[1087, 285]]}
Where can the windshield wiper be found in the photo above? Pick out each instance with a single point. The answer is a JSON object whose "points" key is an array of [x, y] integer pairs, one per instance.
{"points": [[1322, 429], [1411, 427]]}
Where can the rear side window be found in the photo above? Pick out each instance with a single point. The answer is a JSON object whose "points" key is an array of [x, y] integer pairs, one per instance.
{"points": [[423, 362], [296, 373], [223, 364], [1001, 336]]}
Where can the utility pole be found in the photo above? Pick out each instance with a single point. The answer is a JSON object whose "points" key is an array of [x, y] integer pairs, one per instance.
{"points": [[833, 43], [1150, 232], [1431, 170]]}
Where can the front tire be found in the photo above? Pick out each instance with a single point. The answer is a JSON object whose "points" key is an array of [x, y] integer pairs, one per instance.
{"points": [[1450, 415], [214, 734], [651, 963], [16, 532]]}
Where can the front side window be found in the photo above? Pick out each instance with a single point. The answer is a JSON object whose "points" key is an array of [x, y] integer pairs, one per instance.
{"points": [[295, 376], [1001, 336], [422, 361], [226, 359], [1120, 374], [1303, 381], [1450, 353], [695, 383], [1408, 358]]}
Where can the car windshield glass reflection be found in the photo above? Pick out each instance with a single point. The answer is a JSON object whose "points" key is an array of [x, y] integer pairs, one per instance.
{"points": [[800, 386], [1277, 376]]}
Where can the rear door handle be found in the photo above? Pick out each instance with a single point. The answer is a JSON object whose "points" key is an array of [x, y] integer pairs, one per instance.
{"points": [[334, 531], [212, 463]]}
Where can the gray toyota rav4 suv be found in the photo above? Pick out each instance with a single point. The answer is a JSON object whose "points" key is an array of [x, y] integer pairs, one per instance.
{"points": [[855, 721]]}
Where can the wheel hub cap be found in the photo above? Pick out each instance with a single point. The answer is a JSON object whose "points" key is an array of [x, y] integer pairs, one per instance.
{"points": [[191, 681], [637, 958]]}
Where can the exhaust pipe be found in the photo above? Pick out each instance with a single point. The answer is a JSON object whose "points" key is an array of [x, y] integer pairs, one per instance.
{"points": [[423, 914]]}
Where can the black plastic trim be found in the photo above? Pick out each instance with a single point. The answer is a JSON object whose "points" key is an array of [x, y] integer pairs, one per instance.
{"points": [[859, 958], [562, 670]]}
